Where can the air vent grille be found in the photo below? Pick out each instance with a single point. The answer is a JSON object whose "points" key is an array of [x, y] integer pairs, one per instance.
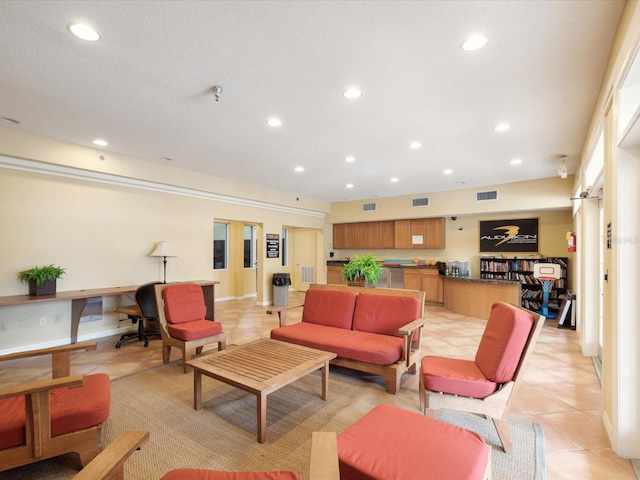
{"points": [[420, 202], [486, 196], [369, 207]]}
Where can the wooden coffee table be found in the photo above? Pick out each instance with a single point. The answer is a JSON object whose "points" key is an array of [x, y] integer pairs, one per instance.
{"points": [[260, 367]]}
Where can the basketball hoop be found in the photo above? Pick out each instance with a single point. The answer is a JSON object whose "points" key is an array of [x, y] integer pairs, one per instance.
{"points": [[547, 273]]}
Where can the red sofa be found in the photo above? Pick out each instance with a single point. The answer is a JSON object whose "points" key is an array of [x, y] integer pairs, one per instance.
{"points": [[374, 330]]}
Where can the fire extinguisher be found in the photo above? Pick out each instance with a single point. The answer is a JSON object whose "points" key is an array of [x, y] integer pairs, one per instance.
{"points": [[571, 242]]}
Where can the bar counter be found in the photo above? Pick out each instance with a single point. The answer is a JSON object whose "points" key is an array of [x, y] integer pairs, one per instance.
{"points": [[473, 297]]}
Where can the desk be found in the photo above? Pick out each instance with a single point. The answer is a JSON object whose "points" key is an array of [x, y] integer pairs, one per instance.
{"points": [[80, 298]]}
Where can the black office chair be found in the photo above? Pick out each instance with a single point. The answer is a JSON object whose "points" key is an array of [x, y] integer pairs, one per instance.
{"points": [[145, 308]]}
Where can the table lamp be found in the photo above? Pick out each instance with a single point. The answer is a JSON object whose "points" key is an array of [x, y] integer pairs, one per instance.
{"points": [[163, 249]]}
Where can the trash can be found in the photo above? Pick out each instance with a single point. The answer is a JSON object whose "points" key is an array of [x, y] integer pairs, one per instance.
{"points": [[281, 282]]}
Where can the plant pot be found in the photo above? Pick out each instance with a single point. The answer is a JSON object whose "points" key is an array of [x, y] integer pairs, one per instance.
{"points": [[357, 283], [48, 287]]}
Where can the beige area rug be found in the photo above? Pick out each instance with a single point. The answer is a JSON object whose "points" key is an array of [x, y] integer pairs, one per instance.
{"points": [[222, 435]]}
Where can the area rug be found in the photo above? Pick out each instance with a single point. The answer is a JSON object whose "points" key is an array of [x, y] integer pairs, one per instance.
{"points": [[222, 435]]}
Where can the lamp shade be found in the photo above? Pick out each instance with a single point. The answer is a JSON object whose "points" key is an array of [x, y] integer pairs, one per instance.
{"points": [[163, 249]]}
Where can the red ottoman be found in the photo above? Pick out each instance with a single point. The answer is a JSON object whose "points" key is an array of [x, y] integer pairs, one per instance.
{"points": [[390, 443]]}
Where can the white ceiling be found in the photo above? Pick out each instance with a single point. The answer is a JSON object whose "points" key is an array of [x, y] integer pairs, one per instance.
{"points": [[145, 87]]}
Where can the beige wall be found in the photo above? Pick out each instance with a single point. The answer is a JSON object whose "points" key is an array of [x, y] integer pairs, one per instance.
{"points": [[101, 228]]}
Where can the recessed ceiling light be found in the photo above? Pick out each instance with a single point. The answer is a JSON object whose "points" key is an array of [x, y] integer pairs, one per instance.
{"points": [[474, 42], [415, 145], [352, 93], [299, 169], [166, 159], [516, 161], [394, 179], [100, 142], [349, 185], [461, 183], [9, 120], [501, 127], [84, 32], [274, 122], [350, 158], [448, 171]]}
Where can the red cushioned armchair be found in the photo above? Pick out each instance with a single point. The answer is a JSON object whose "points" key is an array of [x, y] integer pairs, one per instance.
{"points": [[46, 418], [181, 311], [487, 384]]}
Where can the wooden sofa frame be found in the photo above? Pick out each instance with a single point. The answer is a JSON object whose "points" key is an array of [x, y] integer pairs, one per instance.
{"points": [[495, 406], [109, 465], [411, 343], [39, 443]]}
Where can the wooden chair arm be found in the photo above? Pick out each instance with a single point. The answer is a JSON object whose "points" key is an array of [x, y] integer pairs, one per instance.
{"points": [[52, 350], [60, 356], [282, 313], [324, 456], [109, 464], [409, 328], [72, 381]]}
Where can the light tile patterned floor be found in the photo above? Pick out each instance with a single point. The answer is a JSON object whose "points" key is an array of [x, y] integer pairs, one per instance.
{"points": [[561, 392]]}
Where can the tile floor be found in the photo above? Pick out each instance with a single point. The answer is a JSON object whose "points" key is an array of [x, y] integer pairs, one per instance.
{"points": [[562, 392]]}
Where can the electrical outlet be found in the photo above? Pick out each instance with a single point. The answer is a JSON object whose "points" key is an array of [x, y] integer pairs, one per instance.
{"points": [[43, 320], [3, 327], [57, 318]]}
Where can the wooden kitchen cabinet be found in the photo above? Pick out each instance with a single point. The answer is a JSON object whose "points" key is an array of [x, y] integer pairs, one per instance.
{"points": [[402, 234], [334, 275], [429, 230], [426, 279], [434, 236], [345, 235], [387, 231], [389, 234]]}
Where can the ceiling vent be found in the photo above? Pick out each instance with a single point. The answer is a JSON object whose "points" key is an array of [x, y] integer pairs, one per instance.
{"points": [[486, 196], [420, 202], [369, 207]]}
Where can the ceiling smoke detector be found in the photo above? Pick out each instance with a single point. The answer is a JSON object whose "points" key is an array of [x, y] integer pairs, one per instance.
{"points": [[217, 91], [562, 166]]}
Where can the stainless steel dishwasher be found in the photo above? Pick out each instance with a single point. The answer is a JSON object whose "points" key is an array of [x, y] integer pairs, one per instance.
{"points": [[396, 277]]}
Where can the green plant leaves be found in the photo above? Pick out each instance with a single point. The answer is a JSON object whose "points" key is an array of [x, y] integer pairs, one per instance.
{"points": [[41, 274]]}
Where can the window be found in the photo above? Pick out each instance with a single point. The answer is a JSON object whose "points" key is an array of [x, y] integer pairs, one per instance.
{"points": [[249, 251], [220, 237], [284, 250]]}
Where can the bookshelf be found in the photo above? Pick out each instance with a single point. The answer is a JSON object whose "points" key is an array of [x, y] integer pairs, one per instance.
{"points": [[521, 270]]}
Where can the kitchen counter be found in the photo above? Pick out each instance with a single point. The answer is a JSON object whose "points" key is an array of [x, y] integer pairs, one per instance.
{"points": [[484, 280], [473, 297]]}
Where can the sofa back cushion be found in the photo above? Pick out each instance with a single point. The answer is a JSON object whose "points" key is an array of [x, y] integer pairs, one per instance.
{"points": [[384, 313], [184, 302], [503, 342], [329, 307]]}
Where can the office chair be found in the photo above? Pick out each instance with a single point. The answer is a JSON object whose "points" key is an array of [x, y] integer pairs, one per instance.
{"points": [[144, 308]]}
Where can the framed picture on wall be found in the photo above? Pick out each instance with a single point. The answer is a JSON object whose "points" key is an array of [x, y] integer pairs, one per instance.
{"points": [[509, 236]]}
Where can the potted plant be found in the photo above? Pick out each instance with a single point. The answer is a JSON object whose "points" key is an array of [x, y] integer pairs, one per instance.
{"points": [[362, 271], [42, 280]]}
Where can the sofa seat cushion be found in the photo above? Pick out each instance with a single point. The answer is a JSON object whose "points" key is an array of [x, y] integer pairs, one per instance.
{"points": [[72, 409], [329, 307], [362, 346], [194, 330], [195, 474], [455, 376], [391, 443], [184, 302], [384, 313], [503, 342]]}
